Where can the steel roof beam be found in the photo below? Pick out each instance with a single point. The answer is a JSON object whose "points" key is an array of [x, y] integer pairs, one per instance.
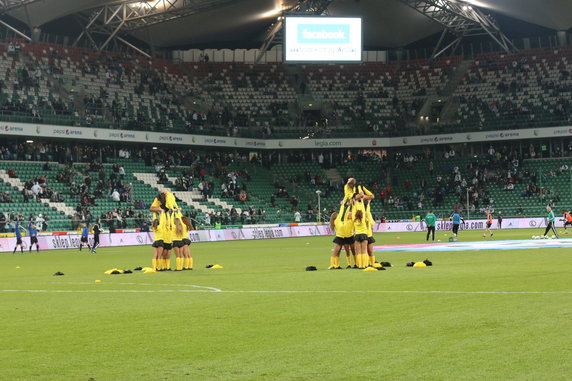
{"points": [[462, 20], [114, 20], [8, 5]]}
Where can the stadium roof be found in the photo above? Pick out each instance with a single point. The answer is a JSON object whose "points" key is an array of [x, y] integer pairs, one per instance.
{"points": [[242, 23]]}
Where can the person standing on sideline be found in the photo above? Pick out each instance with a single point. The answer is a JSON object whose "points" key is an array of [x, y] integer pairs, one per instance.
{"points": [[96, 231], [430, 220], [567, 220], [33, 232], [550, 223], [84, 235], [499, 220], [18, 237], [489, 223], [456, 222]]}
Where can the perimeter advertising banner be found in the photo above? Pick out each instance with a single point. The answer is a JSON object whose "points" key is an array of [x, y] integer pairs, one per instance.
{"points": [[71, 241], [508, 223], [97, 134]]}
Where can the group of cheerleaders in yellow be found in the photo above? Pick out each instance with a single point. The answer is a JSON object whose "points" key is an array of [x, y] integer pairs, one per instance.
{"points": [[171, 232], [353, 226]]}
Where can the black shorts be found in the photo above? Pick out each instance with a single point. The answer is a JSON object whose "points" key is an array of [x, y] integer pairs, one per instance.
{"points": [[96, 239], [370, 240], [187, 241], [83, 239], [178, 244], [33, 240], [18, 240], [343, 241], [158, 243], [361, 237], [489, 224], [567, 223], [167, 246]]}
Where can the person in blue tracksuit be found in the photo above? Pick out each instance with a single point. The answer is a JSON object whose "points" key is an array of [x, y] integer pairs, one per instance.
{"points": [[33, 232], [18, 238], [84, 235], [456, 222]]}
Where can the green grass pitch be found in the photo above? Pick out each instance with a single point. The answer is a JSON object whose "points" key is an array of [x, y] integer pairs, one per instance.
{"points": [[509, 317]]}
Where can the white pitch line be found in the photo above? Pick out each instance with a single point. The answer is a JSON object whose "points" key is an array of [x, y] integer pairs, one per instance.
{"points": [[302, 292], [105, 291], [214, 289]]}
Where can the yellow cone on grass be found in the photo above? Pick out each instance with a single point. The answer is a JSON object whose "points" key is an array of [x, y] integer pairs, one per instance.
{"points": [[419, 264]]}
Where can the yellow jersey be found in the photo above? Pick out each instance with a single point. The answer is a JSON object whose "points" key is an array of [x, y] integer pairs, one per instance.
{"points": [[344, 225], [185, 230], [157, 234], [170, 202], [349, 192], [370, 220], [360, 227], [184, 233], [166, 227]]}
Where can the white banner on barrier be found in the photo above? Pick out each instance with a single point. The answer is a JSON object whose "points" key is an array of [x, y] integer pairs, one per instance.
{"points": [[109, 135], [508, 223], [71, 241]]}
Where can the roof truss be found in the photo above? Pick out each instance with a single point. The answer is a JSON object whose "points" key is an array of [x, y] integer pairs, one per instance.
{"points": [[114, 20], [460, 19]]}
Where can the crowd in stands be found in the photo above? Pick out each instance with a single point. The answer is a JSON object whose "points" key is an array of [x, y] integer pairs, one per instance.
{"points": [[249, 215], [529, 89], [471, 185], [8, 221], [82, 186], [69, 85]]}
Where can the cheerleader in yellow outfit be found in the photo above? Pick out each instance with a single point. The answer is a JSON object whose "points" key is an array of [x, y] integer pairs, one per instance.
{"points": [[187, 258], [351, 188], [157, 243], [370, 239], [164, 201], [343, 227], [179, 234], [359, 217], [165, 205], [166, 224]]}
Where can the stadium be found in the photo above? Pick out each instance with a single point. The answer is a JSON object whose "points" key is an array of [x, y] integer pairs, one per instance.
{"points": [[249, 189]]}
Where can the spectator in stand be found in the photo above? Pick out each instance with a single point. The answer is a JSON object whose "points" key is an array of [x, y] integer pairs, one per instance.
{"points": [[3, 221], [37, 190], [40, 222], [115, 196], [242, 197], [297, 217]]}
